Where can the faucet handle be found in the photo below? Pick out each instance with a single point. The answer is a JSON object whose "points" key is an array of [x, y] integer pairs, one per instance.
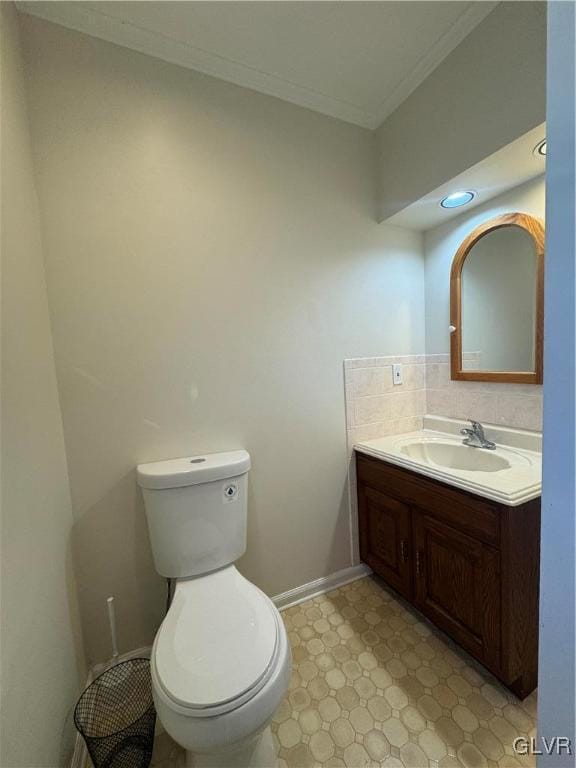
{"points": [[477, 435]]}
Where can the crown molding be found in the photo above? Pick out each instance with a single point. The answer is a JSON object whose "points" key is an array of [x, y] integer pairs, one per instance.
{"points": [[453, 36], [76, 16], [100, 25]]}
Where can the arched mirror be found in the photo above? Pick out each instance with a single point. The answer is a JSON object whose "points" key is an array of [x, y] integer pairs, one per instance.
{"points": [[496, 302]]}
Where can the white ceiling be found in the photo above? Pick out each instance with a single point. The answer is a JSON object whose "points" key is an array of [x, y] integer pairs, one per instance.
{"points": [[356, 61]]}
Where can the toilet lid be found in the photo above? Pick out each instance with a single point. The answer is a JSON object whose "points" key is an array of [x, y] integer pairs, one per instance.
{"points": [[217, 641]]}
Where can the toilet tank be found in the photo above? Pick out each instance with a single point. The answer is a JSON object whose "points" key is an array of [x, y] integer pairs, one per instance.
{"points": [[196, 509]]}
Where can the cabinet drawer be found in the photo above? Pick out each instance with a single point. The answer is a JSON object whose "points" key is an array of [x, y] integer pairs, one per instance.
{"points": [[463, 511]]}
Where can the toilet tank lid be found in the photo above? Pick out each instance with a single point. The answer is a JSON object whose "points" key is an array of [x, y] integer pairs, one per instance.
{"points": [[192, 470]]}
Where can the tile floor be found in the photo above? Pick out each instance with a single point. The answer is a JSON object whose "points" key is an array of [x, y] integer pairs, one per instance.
{"points": [[375, 685]]}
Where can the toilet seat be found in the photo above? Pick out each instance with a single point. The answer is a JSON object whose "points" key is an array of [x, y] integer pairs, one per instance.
{"points": [[218, 645]]}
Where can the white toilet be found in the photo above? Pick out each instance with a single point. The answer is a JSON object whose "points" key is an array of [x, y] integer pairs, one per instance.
{"points": [[221, 660]]}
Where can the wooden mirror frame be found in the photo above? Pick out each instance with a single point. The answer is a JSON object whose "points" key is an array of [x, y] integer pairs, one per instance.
{"points": [[536, 230]]}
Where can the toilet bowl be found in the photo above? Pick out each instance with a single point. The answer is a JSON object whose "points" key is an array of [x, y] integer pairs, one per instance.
{"points": [[221, 660], [220, 668]]}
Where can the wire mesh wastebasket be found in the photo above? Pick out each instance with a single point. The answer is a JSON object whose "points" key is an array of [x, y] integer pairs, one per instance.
{"points": [[116, 716]]}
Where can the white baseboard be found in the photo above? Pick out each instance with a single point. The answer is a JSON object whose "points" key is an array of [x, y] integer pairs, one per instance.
{"points": [[320, 586], [80, 754]]}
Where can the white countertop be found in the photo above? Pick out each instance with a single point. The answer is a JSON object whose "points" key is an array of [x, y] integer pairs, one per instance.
{"points": [[519, 481]]}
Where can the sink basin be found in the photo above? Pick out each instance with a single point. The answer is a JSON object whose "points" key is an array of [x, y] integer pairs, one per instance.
{"points": [[454, 456], [510, 474]]}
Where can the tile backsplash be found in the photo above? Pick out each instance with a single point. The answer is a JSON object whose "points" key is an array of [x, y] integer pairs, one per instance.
{"points": [[512, 405], [375, 407]]}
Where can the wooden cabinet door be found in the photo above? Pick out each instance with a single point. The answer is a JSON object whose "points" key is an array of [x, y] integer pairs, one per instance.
{"points": [[385, 538], [457, 585]]}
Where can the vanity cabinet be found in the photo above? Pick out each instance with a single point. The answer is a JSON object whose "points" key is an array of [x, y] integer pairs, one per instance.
{"points": [[388, 534], [469, 565], [457, 585]]}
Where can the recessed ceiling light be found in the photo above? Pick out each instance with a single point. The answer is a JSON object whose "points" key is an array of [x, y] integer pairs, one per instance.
{"points": [[456, 199], [540, 148]]}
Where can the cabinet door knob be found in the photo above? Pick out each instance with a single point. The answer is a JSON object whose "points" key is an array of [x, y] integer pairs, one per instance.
{"points": [[418, 562], [403, 551]]}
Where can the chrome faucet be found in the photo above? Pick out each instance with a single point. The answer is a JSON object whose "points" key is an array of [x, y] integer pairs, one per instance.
{"points": [[476, 438]]}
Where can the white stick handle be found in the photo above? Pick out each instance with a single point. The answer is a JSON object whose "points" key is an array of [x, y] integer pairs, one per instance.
{"points": [[112, 620]]}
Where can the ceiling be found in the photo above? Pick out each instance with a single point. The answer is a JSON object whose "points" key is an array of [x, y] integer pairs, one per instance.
{"points": [[510, 166], [356, 61]]}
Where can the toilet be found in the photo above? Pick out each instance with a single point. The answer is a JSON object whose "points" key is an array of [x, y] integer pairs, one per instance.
{"points": [[221, 660]]}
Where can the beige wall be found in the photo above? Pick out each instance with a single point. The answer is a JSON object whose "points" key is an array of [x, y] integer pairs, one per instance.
{"points": [[516, 405], [489, 91], [212, 257], [41, 664]]}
